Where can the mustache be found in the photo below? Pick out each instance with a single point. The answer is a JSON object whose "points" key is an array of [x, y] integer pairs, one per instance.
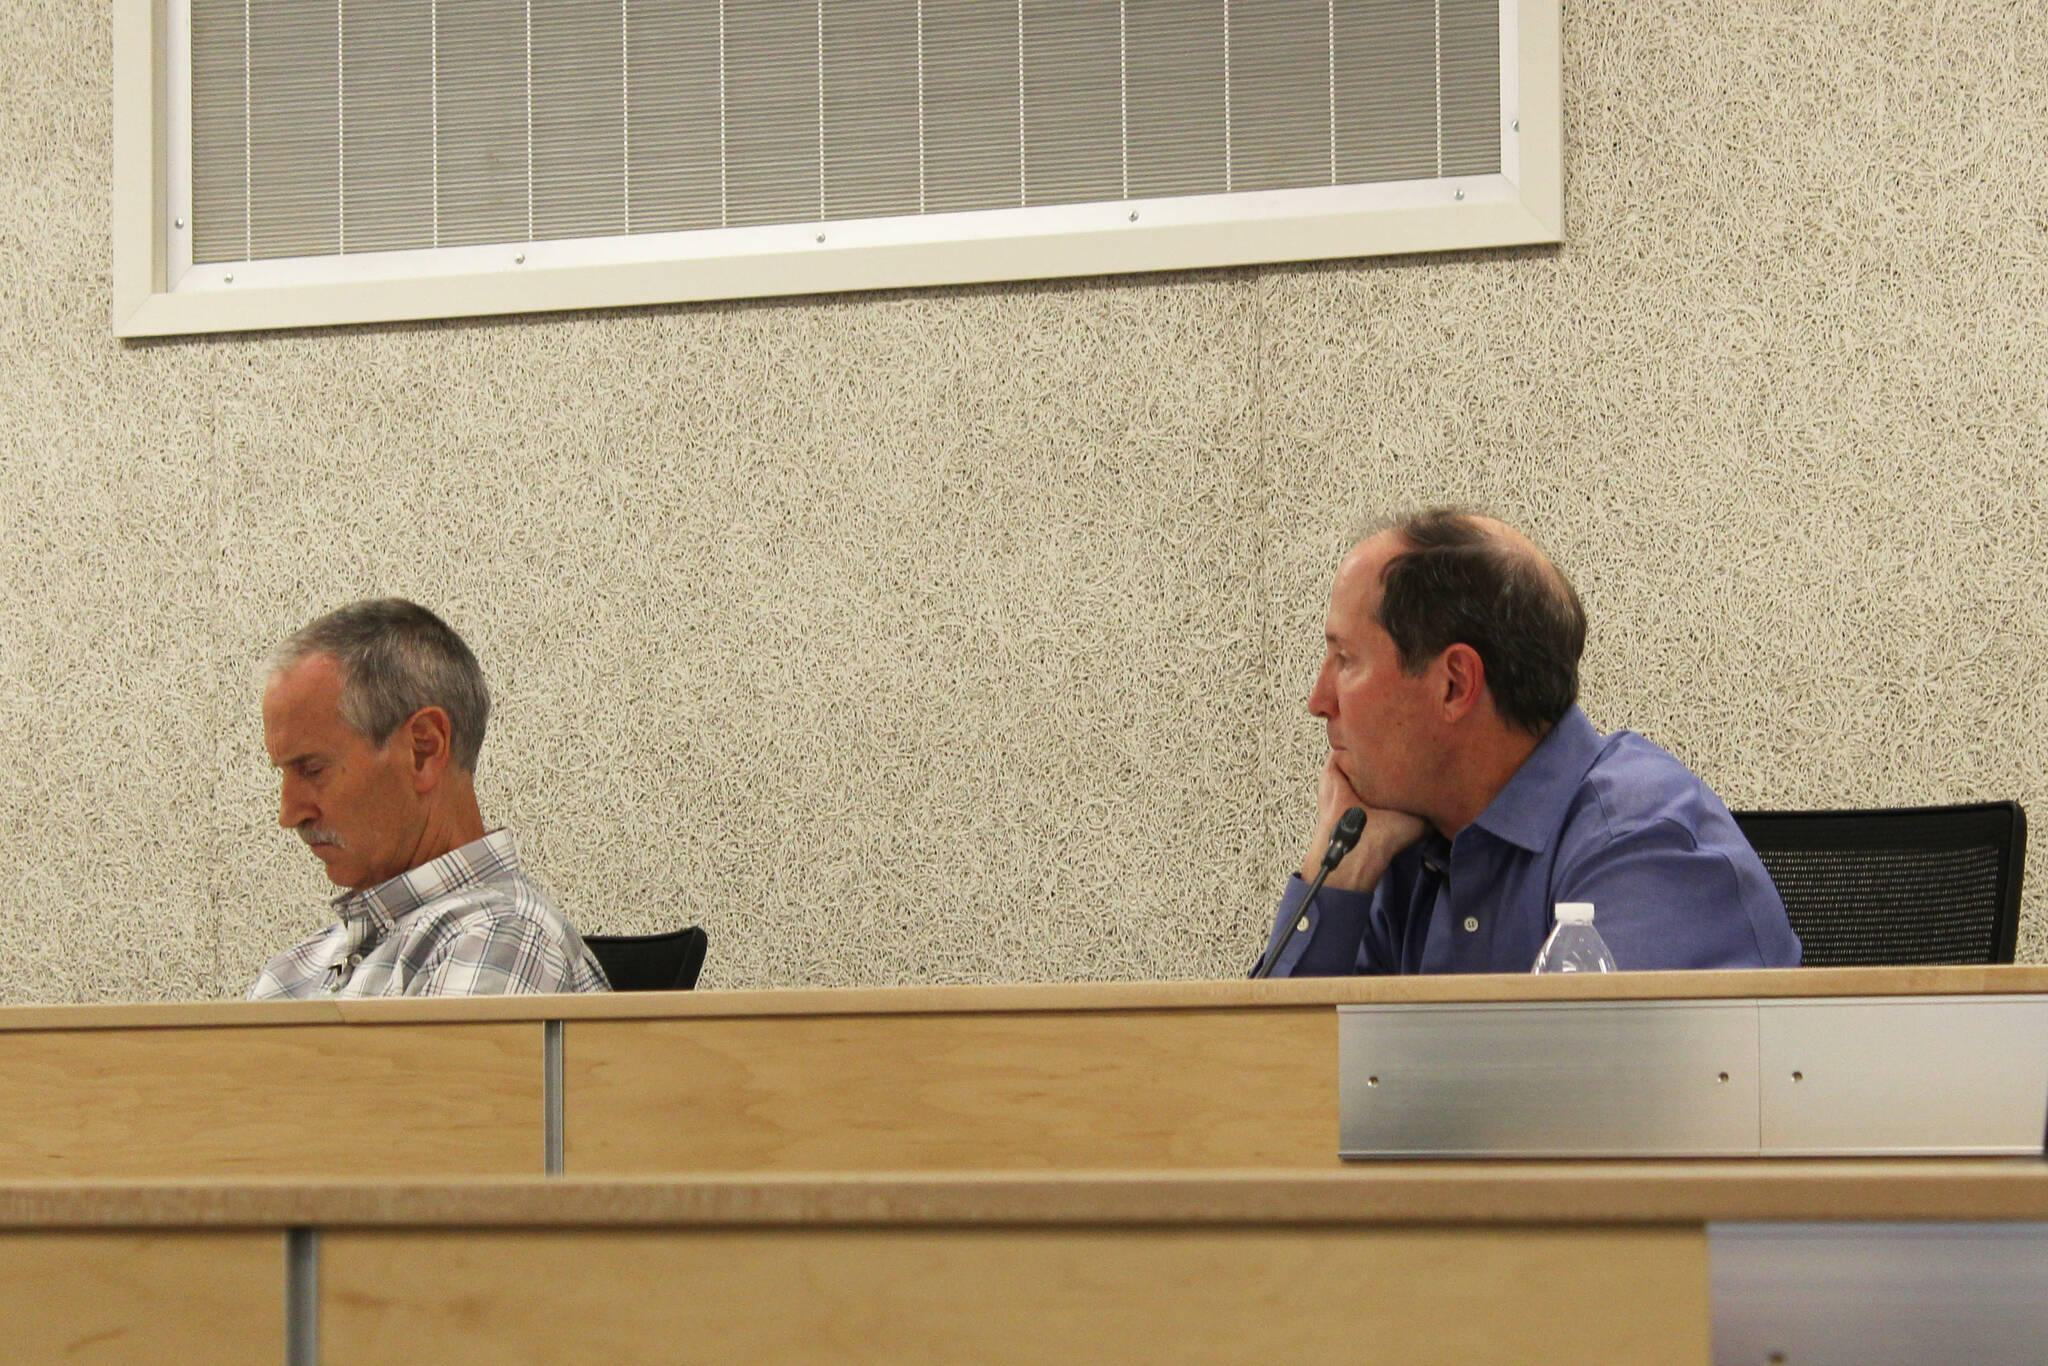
{"points": [[313, 834]]}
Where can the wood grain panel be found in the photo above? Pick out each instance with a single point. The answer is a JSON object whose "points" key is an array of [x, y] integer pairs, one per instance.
{"points": [[1767, 984], [1771, 984], [272, 1100], [1132, 1089], [996, 1296], [1996, 1190], [117, 1299]]}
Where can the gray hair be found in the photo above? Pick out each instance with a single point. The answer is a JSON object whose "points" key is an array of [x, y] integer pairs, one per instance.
{"points": [[397, 657]]}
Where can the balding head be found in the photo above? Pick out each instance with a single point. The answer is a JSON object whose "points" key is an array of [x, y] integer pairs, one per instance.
{"points": [[1456, 577]]}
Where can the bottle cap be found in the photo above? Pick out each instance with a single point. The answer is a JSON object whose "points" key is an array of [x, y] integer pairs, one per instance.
{"points": [[1575, 912]]}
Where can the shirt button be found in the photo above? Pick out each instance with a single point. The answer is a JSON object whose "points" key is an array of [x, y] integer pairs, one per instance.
{"points": [[1301, 925], [1471, 923]]}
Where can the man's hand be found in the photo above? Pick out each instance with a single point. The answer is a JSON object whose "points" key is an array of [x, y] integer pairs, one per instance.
{"points": [[1387, 833]]}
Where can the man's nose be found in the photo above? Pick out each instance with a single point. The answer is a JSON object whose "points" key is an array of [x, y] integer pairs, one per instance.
{"points": [[1322, 698], [293, 810]]}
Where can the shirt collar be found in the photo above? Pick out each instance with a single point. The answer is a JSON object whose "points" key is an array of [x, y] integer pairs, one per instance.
{"points": [[1524, 813], [374, 911]]}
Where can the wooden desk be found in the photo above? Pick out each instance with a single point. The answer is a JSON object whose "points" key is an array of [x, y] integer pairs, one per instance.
{"points": [[225, 1090], [1144, 1172], [1466, 1263], [1162, 1076]]}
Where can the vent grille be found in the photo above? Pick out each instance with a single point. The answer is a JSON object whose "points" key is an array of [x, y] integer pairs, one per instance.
{"points": [[323, 127]]}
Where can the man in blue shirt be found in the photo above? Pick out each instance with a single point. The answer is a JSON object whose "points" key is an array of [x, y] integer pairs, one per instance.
{"points": [[1448, 687]]}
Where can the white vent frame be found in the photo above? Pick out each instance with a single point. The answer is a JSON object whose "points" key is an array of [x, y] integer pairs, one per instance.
{"points": [[156, 292]]}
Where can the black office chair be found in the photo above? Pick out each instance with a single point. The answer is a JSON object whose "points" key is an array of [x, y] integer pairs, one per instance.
{"points": [[651, 962], [1927, 884]]}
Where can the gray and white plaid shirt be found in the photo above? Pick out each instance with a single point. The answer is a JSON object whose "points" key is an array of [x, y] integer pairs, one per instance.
{"points": [[469, 923]]}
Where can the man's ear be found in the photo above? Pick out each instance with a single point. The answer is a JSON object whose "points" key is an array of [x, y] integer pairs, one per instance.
{"points": [[428, 735], [1463, 681]]}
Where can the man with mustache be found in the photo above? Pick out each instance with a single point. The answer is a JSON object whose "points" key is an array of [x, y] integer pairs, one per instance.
{"points": [[374, 716], [1449, 690]]}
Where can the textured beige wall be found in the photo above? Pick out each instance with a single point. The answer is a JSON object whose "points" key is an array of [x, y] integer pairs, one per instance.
{"points": [[962, 635]]}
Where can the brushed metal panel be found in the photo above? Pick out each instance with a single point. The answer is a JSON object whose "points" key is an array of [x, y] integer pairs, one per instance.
{"points": [[1563, 1079], [1879, 1294], [1903, 1075]]}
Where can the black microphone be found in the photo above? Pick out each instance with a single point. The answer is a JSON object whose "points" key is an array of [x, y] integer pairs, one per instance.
{"points": [[1343, 840]]}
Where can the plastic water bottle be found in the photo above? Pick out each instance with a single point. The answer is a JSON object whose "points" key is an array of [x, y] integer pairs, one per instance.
{"points": [[1574, 946]]}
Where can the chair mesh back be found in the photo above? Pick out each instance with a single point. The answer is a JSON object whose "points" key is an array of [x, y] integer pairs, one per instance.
{"points": [[650, 962], [1918, 885]]}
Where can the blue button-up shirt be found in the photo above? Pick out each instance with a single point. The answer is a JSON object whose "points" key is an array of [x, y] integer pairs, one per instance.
{"points": [[1613, 820]]}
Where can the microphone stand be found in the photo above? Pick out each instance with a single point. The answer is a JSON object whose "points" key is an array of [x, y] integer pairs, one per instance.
{"points": [[1343, 840]]}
